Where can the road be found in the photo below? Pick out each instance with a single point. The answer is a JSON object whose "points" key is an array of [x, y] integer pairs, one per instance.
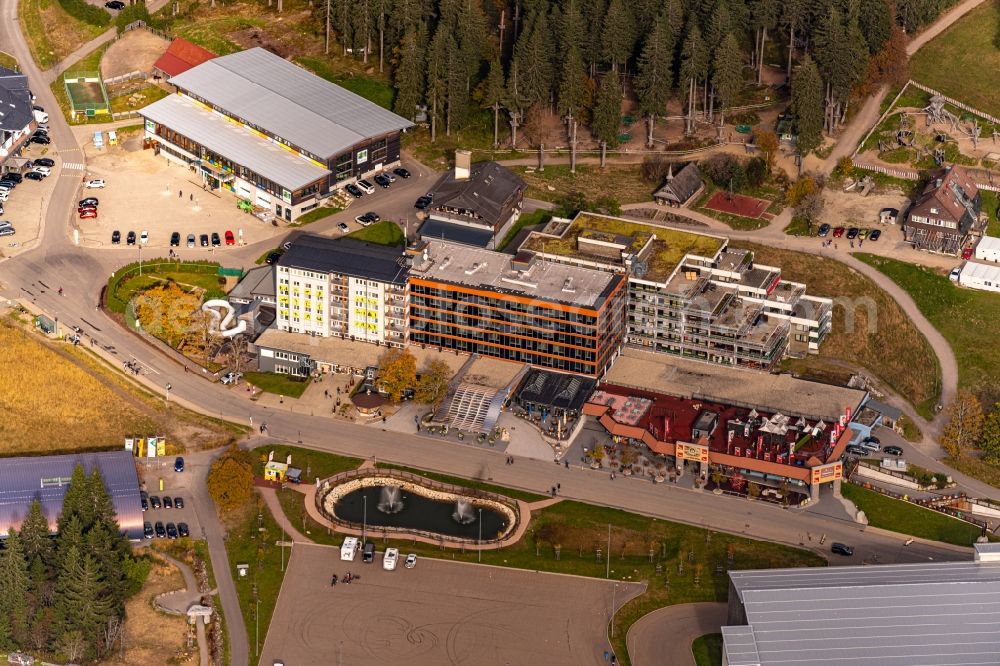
{"points": [[665, 635]]}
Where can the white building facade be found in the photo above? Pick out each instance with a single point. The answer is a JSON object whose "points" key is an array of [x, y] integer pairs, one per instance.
{"points": [[988, 249], [980, 276]]}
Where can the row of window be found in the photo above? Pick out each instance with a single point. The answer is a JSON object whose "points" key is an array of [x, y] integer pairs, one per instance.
{"points": [[495, 351]]}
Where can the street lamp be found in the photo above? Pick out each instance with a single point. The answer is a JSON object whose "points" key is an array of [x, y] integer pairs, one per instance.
{"points": [[480, 534], [167, 393]]}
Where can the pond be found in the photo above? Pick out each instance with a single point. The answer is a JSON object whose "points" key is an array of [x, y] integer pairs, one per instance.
{"points": [[390, 506]]}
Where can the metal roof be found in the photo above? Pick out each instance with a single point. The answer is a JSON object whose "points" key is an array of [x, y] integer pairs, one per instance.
{"points": [[46, 478], [288, 101], [457, 233], [905, 615], [234, 142], [15, 101], [346, 256]]}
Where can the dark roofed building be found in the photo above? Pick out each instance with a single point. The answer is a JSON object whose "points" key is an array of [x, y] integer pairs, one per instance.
{"points": [[46, 478], [16, 116], [474, 201], [346, 256], [946, 214], [682, 188], [179, 57], [554, 391]]}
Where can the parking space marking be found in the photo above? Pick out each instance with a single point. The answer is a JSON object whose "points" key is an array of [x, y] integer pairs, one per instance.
{"points": [[74, 166]]}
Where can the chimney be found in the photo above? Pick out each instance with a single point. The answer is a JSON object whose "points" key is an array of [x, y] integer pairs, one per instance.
{"points": [[463, 164]]}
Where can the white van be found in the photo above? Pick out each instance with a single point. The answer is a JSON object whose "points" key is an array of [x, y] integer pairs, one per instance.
{"points": [[349, 548], [41, 116]]}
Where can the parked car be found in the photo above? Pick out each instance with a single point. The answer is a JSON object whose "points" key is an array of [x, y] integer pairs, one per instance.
{"points": [[147, 530], [171, 530], [863, 234], [203, 239], [34, 175], [382, 181], [874, 235], [161, 532], [893, 450], [231, 378], [856, 450], [44, 161], [363, 220], [89, 201], [272, 257], [824, 229], [168, 502], [182, 530], [154, 501], [40, 139], [422, 203], [116, 237], [366, 187], [841, 549], [144, 237], [8, 183], [83, 209], [175, 239], [230, 239], [144, 501], [955, 272], [368, 554], [88, 213], [354, 190], [390, 558], [95, 184], [44, 170], [190, 240], [116, 5], [411, 561], [178, 502], [130, 239], [343, 227], [838, 232], [179, 464], [401, 172], [17, 178], [7, 231], [216, 241], [967, 252], [852, 233]]}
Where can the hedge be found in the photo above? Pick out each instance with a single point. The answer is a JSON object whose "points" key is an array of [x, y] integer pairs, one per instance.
{"points": [[116, 304], [79, 9]]}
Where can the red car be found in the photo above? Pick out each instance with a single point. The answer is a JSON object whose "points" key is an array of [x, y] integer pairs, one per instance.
{"points": [[838, 232], [967, 253], [230, 240], [86, 214], [84, 209]]}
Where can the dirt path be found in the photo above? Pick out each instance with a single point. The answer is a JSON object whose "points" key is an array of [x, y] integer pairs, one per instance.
{"points": [[665, 635], [270, 496]]}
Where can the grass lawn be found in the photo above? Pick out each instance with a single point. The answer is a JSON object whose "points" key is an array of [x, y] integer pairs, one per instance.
{"points": [[88, 63], [314, 464], [914, 374], [906, 518], [207, 282], [275, 383], [8, 61], [962, 62], [965, 317], [149, 94], [623, 183], [368, 87], [213, 32], [51, 33], [526, 220], [991, 206], [314, 215], [385, 232], [799, 227], [250, 539], [707, 650], [471, 483]]}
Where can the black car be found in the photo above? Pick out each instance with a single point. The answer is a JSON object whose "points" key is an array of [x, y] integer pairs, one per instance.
{"points": [[168, 502], [852, 233], [160, 530], [422, 203], [824, 229], [354, 190], [382, 180], [401, 172], [182, 530], [45, 161], [216, 241], [203, 239], [130, 239], [171, 530], [855, 450], [368, 554], [841, 549], [373, 216], [34, 175], [16, 177], [154, 501], [8, 183], [147, 530], [272, 257], [89, 201], [175, 239], [41, 139], [893, 450], [116, 237], [145, 503], [179, 464], [874, 235], [178, 502], [116, 5], [873, 440]]}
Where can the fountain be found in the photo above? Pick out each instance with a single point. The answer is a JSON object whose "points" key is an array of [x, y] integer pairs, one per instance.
{"points": [[463, 514], [391, 500]]}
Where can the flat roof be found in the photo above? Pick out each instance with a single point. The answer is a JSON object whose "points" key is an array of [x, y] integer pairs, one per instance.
{"points": [[234, 142], [973, 269], [988, 243], [884, 615], [735, 386], [668, 250], [456, 233], [46, 478], [289, 101], [345, 352], [347, 256], [484, 269]]}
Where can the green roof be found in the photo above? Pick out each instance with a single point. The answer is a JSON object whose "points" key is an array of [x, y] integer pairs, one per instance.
{"points": [[669, 248]]}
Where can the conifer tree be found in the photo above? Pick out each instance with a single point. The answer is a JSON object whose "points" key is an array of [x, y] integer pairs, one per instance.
{"points": [[807, 106], [14, 586], [491, 95], [409, 77], [655, 72], [533, 62], [694, 68], [727, 77], [75, 501], [35, 536], [618, 36], [607, 110]]}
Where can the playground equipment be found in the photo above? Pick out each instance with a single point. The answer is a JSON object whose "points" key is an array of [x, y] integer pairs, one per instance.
{"points": [[221, 325]]}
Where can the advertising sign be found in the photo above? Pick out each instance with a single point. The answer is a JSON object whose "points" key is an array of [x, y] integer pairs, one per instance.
{"points": [[830, 472], [361, 157], [692, 452]]}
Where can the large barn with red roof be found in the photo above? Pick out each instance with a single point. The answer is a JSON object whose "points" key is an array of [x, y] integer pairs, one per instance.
{"points": [[179, 57]]}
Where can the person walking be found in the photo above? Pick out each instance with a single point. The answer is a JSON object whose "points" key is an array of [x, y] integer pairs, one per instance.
{"points": [[180, 194]]}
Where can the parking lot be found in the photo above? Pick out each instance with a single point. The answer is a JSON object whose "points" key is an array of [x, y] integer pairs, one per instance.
{"points": [[175, 484], [439, 612], [144, 192], [24, 207]]}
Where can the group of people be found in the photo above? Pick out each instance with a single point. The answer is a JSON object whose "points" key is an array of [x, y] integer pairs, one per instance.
{"points": [[348, 577], [133, 367]]}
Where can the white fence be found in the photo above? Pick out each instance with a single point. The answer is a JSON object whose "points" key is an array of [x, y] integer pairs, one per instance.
{"points": [[125, 78]]}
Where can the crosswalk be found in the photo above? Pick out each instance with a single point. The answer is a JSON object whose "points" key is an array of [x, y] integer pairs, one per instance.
{"points": [[74, 166]]}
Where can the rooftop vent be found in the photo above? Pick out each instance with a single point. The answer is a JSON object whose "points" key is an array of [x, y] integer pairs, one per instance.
{"points": [[446, 263], [568, 285], [476, 267]]}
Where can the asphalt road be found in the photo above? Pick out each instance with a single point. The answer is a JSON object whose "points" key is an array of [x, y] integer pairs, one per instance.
{"points": [[665, 635]]}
